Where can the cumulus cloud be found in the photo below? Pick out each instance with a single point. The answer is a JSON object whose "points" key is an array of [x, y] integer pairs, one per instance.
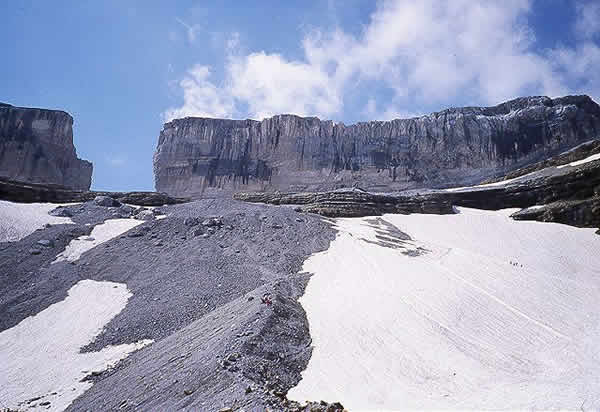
{"points": [[201, 97], [424, 54], [579, 64]]}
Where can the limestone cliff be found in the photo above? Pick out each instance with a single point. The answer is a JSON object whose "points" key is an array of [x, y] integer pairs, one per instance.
{"points": [[36, 145], [457, 146]]}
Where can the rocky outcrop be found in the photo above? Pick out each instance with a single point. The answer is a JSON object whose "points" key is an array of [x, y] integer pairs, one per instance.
{"points": [[36, 145], [569, 195], [33, 193], [581, 213], [461, 146], [352, 202]]}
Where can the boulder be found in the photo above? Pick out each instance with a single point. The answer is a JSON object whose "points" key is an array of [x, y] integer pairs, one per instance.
{"points": [[106, 201], [145, 215]]}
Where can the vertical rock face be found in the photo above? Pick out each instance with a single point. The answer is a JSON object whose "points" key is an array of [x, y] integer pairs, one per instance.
{"points": [[453, 147], [36, 145]]}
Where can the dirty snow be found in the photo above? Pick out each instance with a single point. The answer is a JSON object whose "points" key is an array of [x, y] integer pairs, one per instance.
{"points": [[472, 311], [582, 161], [18, 220], [495, 184], [41, 357], [100, 234]]}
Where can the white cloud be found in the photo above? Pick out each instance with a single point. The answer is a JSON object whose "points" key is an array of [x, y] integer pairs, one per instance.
{"points": [[425, 54], [372, 111], [270, 85], [588, 19], [201, 97]]}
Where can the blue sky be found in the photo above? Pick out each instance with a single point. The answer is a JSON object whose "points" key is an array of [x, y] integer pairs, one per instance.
{"points": [[123, 68]]}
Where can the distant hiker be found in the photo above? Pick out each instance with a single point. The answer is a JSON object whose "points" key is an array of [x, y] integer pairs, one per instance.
{"points": [[266, 299]]}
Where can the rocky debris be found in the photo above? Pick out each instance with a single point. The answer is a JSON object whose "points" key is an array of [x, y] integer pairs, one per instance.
{"points": [[321, 406], [126, 210], [144, 215], [458, 146], [36, 145], [45, 243], [32, 193], [139, 231], [191, 297], [106, 201], [158, 211], [61, 211], [191, 221], [212, 222]]}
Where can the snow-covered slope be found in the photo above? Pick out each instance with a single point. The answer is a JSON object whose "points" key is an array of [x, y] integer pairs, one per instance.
{"points": [[42, 366], [472, 310], [18, 220], [101, 233]]}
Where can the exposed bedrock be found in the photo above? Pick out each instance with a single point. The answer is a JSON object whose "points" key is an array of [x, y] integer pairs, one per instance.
{"points": [[36, 145], [569, 195], [33, 193], [201, 156]]}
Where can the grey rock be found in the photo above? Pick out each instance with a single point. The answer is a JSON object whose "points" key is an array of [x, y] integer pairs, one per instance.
{"points": [[212, 222], [25, 192], [106, 201], [145, 215], [191, 221], [35, 251], [158, 211], [45, 243], [61, 212], [36, 145], [459, 146], [233, 357], [126, 209]]}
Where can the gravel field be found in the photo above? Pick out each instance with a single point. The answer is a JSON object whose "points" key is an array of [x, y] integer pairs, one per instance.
{"points": [[197, 276]]}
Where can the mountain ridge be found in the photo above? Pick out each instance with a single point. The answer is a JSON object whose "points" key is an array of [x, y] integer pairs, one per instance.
{"points": [[206, 157]]}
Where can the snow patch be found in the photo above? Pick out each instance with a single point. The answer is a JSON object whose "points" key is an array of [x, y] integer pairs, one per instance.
{"points": [[493, 314], [100, 234], [41, 355], [582, 161], [495, 184], [19, 220]]}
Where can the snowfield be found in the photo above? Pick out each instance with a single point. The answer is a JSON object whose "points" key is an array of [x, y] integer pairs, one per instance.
{"points": [[18, 220], [100, 233], [41, 355], [470, 311], [588, 159]]}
